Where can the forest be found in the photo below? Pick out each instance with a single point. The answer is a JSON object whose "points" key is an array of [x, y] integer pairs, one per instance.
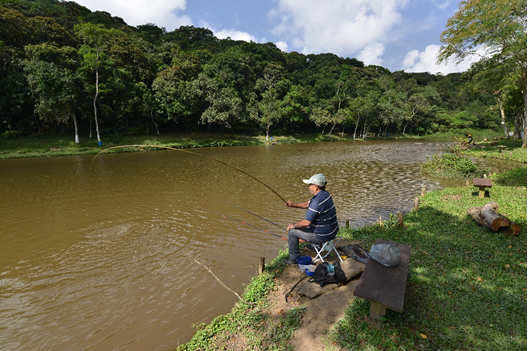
{"points": [[66, 69]]}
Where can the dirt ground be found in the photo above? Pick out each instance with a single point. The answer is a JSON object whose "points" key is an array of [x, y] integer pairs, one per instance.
{"points": [[321, 312]]}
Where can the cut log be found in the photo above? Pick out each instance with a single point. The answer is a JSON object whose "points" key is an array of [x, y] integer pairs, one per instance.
{"points": [[489, 217]]}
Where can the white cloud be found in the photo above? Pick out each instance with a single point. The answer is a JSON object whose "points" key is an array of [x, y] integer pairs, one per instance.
{"points": [[426, 61], [164, 13], [339, 26], [371, 54], [281, 45], [235, 35], [442, 4]]}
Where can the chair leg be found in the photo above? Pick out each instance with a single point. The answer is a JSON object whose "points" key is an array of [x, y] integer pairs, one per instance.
{"points": [[332, 243], [318, 253]]}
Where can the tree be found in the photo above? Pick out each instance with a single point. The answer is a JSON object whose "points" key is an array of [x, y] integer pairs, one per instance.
{"points": [[54, 82], [273, 85], [362, 106], [295, 106], [498, 27], [320, 117], [173, 94], [94, 37], [415, 100]]}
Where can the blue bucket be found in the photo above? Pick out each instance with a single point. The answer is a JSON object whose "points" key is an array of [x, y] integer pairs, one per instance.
{"points": [[304, 260], [309, 273]]}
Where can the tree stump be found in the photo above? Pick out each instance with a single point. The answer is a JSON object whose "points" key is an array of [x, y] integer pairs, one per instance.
{"points": [[489, 217]]}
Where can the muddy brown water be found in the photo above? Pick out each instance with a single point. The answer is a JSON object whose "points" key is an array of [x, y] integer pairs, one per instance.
{"points": [[105, 260]]}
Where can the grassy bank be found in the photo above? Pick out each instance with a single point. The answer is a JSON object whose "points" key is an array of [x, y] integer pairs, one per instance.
{"points": [[64, 146], [466, 285], [512, 151]]}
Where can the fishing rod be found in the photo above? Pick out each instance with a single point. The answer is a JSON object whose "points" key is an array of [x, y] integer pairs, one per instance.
{"points": [[189, 152]]}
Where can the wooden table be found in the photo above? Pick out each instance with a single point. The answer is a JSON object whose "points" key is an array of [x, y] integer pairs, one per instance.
{"points": [[482, 183]]}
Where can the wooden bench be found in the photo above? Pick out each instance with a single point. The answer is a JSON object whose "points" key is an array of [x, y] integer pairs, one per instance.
{"points": [[385, 286], [482, 183]]}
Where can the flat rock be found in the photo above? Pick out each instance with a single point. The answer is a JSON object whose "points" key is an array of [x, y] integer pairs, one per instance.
{"points": [[351, 268]]}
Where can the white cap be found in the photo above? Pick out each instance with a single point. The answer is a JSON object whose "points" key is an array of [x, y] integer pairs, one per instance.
{"points": [[317, 179]]}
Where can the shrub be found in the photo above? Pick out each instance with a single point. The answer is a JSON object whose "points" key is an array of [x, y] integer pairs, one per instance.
{"points": [[451, 166]]}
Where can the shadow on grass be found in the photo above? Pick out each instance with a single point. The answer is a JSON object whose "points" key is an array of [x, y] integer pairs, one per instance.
{"points": [[466, 289]]}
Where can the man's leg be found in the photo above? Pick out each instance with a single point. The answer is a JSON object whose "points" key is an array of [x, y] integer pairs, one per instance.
{"points": [[293, 242]]}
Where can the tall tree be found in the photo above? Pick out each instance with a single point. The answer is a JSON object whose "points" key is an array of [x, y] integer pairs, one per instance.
{"points": [[94, 37], [54, 82], [274, 85], [497, 27]]}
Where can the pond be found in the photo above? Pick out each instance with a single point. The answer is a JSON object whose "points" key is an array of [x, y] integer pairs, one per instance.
{"points": [[104, 258]]}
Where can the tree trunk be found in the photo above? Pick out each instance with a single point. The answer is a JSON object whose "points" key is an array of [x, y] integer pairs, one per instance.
{"points": [[516, 134], [364, 130], [404, 131], [155, 125], [356, 127], [75, 129], [332, 128], [503, 121], [489, 217], [95, 99], [524, 121]]}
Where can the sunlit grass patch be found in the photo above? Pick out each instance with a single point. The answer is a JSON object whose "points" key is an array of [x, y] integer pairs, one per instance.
{"points": [[466, 284]]}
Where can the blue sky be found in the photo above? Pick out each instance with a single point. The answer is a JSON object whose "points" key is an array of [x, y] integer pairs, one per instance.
{"points": [[396, 34]]}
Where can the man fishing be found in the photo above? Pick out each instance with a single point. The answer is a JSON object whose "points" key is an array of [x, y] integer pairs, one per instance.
{"points": [[320, 223]]}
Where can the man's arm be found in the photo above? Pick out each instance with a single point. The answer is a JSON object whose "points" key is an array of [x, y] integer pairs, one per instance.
{"points": [[304, 205], [303, 223]]}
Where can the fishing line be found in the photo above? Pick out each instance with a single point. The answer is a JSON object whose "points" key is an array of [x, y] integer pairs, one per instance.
{"points": [[243, 222], [253, 214], [189, 152]]}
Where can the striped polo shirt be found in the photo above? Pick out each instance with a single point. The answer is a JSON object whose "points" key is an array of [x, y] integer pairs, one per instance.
{"points": [[322, 215]]}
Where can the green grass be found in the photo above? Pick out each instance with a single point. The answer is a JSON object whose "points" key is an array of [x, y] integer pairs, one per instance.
{"points": [[48, 146], [513, 151], [477, 134], [466, 285]]}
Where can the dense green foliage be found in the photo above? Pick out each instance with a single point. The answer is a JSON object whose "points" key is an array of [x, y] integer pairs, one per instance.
{"points": [[65, 69], [495, 31]]}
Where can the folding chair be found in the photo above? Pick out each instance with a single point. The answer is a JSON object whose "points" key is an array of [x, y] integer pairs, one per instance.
{"points": [[328, 246]]}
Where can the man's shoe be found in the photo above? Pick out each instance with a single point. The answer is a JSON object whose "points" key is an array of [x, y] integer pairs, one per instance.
{"points": [[291, 261]]}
